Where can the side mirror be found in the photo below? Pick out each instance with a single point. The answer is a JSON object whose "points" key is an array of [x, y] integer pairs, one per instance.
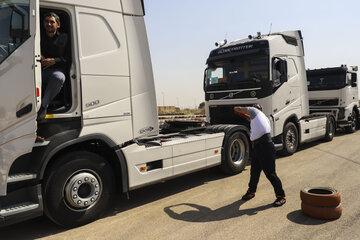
{"points": [[17, 27], [283, 71], [204, 83], [353, 80]]}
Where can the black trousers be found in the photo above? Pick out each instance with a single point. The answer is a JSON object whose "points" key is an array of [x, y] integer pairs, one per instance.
{"points": [[263, 159]]}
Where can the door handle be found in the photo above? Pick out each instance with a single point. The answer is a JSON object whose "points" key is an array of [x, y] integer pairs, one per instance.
{"points": [[24, 110], [287, 102]]}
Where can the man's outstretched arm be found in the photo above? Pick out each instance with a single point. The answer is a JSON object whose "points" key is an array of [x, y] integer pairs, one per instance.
{"points": [[242, 111]]}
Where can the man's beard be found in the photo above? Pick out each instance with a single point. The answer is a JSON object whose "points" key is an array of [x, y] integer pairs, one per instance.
{"points": [[50, 30]]}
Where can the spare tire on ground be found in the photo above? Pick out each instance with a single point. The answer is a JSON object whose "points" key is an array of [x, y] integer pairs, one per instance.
{"points": [[326, 213], [320, 196], [321, 202]]}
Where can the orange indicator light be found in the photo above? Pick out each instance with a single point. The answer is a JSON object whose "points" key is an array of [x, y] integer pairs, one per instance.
{"points": [[216, 151], [143, 168]]}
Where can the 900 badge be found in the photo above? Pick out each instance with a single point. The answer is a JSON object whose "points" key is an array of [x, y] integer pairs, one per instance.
{"points": [[93, 103]]}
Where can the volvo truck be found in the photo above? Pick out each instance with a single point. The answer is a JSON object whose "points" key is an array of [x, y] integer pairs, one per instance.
{"points": [[334, 90], [268, 70], [101, 131]]}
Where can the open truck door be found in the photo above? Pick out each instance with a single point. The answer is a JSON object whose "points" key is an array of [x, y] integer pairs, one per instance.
{"points": [[20, 81]]}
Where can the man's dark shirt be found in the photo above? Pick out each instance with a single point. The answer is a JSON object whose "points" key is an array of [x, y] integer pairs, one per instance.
{"points": [[56, 47]]}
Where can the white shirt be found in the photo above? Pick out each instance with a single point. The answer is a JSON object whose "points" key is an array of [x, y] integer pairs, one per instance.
{"points": [[259, 124]]}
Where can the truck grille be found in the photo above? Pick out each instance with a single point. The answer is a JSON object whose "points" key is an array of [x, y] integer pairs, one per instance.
{"points": [[225, 115], [324, 102]]}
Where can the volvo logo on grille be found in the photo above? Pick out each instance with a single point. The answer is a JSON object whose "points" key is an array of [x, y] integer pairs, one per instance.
{"points": [[211, 96], [231, 95], [252, 93]]}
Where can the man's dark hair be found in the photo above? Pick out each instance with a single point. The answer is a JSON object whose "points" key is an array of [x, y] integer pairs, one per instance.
{"points": [[52, 14], [258, 106]]}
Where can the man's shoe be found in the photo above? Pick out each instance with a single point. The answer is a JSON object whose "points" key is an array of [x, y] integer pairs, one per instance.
{"points": [[280, 200], [248, 195], [39, 139]]}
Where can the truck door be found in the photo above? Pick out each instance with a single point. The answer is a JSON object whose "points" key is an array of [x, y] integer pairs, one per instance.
{"points": [[19, 67], [286, 90]]}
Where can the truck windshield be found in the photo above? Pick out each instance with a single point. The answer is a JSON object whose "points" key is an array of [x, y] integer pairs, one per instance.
{"points": [[242, 72], [325, 81], [14, 25]]}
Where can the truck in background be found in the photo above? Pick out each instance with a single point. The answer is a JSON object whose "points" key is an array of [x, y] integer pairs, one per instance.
{"points": [[268, 70], [334, 90], [101, 131]]}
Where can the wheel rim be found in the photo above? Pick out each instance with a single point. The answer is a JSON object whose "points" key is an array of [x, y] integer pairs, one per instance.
{"points": [[291, 139], [331, 128], [237, 151], [353, 122], [83, 189]]}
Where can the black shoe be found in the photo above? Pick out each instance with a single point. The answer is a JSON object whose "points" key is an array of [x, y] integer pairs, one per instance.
{"points": [[280, 200], [41, 113], [248, 195]]}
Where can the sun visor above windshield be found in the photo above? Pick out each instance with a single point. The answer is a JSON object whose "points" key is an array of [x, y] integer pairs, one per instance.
{"points": [[253, 47]]}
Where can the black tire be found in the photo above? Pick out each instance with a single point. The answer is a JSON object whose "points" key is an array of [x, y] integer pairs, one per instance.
{"points": [[235, 153], [330, 129], [320, 196], [77, 189], [290, 139], [353, 125]]}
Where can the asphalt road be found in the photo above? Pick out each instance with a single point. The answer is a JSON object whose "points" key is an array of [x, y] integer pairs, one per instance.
{"points": [[207, 205]]}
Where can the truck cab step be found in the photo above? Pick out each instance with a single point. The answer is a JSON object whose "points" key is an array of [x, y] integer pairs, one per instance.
{"points": [[18, 208], [21, 177], [41, 144]]}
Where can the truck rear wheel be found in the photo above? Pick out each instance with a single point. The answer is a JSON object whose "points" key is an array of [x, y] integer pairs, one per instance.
{"points": [[77, 189], [235, 154], [290, 139]]}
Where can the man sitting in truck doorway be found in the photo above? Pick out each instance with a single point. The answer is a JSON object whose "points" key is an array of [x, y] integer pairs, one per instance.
{"points": [[263, 154], [54, 61]]}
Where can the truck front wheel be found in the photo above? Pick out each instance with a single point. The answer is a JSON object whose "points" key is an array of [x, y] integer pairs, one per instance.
{"points": [[77, 188], [290, 139], [353, 125], [235, 154], [330, 129]]}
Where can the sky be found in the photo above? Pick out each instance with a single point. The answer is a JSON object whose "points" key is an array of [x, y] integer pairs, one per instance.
{"points": [[182, 33]]}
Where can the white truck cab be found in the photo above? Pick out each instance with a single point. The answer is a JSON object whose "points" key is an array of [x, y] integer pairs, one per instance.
{"points": [[101, 131], [334, 90], [268, 70]]}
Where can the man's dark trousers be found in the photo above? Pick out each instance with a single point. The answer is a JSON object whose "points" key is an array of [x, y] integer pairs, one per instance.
{"points": [[263, 158]]}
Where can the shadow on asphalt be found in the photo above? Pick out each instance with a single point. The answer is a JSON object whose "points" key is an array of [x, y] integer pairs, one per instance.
{"points": [[43, 227], [308, 145], [199, 213], [158, 191], [300, 218]]}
